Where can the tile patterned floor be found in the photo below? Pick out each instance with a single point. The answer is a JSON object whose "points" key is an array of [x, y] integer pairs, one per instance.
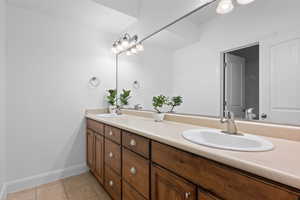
{"points": [[82, 187]]}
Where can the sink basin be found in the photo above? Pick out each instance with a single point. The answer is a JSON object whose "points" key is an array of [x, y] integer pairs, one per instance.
{"points": [[108, 115], [217, 139]]}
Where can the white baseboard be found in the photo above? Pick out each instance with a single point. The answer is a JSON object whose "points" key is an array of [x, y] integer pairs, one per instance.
{"points": [[3, 192], [40, 179]]}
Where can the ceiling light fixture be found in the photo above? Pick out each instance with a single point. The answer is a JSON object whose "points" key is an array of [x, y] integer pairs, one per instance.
{"points": [[127, 44], [226, 6]]}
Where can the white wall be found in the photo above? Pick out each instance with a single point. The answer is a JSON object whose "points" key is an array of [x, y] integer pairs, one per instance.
{"points": [[49, 64], [197, 67], [152, 69], [2, 94]]}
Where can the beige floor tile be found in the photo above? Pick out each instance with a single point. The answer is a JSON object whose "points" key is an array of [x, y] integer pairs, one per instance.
{"points": [[29, 194], [82, 193], [51, 191], [82, 187], [75, 182], [101, 192]]}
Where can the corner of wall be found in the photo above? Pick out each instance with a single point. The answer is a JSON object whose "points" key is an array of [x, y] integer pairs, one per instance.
{"points": [[3, 192]]}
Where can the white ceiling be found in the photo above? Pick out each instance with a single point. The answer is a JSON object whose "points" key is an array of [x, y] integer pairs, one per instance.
{"points": [[86, 12], [140, 17]]}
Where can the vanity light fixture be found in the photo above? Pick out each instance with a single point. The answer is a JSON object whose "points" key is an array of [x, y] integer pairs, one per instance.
{"points": [[128, 53], [128, 44], [244, 2], [125, 41], [226, 6], [140, 47], [133, 50], [114, 49]]}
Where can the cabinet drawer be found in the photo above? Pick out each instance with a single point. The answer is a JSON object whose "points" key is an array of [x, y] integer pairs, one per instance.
{"points": [[136, 172], [112, 183], [202, 195], [130, 194], [226, 182], [136, 143], [113, 134], [95, 126], [113, 156], [166, 185]]}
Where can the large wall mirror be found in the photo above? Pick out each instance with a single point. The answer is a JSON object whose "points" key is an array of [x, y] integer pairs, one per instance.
{"points": [[246, 61]]}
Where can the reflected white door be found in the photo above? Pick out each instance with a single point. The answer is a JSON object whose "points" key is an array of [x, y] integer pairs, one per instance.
{"points": [[280, 78], [235, 84]]}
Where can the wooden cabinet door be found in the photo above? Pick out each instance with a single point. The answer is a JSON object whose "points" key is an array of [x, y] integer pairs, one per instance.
{"points": [[99, 157], [90, 149], [166, 185]]}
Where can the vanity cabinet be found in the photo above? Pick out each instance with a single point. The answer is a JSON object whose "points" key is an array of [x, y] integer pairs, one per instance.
{"points": [[166, 185], [224, 181], [90, 151], [95, 150], [136, 172], [129, 193], [132, 167], [137, 144], [113, 156], [113, 183], [202, 195], [99, 161]]}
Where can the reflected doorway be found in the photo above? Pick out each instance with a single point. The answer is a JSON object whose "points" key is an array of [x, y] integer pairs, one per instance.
{"points": [[241, 82]]}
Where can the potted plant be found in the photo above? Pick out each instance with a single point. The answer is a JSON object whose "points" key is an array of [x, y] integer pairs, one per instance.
{"points": [[174, 102], [112, 100], [158, 102], [124, 97]]}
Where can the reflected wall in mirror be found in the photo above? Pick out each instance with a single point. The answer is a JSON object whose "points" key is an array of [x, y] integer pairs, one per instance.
{"points": [[259, 44]]}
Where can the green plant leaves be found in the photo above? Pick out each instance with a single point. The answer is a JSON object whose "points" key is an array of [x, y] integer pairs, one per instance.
{"points": [[124, 97], [159, 101], [112, 98]]}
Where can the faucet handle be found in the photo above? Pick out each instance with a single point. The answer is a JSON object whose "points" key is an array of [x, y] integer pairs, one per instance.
{"points": [[230, 115]]}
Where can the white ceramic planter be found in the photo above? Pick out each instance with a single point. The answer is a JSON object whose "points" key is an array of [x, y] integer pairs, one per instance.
{"points": [[158, 117], [112, 109]]}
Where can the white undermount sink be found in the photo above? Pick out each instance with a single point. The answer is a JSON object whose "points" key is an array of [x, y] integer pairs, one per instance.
{"points": [[217, 139], [107, 115]]}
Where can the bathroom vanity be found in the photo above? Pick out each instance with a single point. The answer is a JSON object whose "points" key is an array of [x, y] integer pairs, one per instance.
{"points": [[135, 158]]}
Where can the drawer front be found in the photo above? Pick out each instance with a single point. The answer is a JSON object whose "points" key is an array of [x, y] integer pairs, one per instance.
{"points": [[167, 185], [130, 194], [113, 134], [136, 172], [223, 181], [206, 196], [113, 156], [136, 143], [112, 183], [95, 126]]}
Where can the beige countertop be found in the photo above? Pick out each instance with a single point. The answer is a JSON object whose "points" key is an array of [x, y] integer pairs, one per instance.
{"points": [[281, 164]]}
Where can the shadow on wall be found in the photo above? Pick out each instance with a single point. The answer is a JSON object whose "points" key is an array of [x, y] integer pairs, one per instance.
{"points": [[73, 151]]}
